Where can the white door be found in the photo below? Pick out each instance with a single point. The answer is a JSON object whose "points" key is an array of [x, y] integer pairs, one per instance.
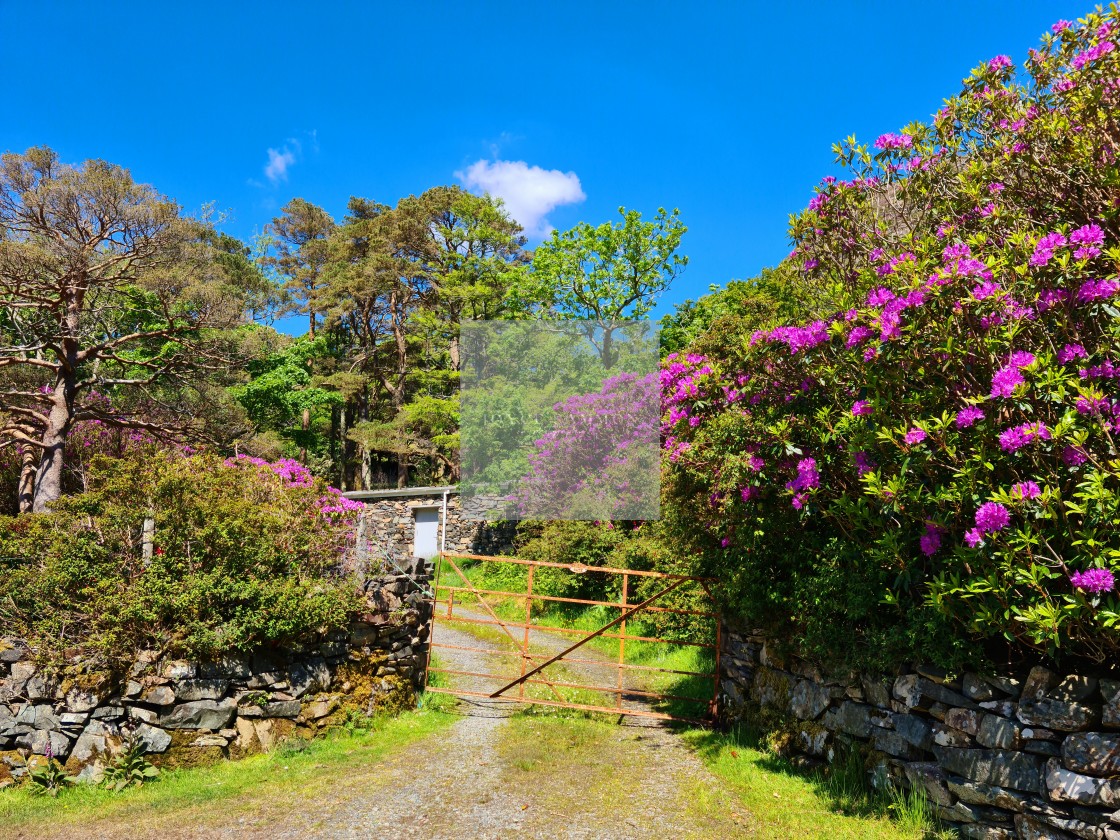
{"points": [[425, 542]]}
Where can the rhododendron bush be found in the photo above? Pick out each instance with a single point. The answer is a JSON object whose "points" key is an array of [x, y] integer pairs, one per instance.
{"points": [[935, 462], [242, 553]]}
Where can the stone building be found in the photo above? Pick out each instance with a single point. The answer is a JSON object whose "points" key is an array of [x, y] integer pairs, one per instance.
{"points": [[423, 521]]}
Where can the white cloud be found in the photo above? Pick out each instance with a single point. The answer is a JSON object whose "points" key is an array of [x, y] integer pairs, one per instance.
{"points": [[279, 160], [529, 192]]}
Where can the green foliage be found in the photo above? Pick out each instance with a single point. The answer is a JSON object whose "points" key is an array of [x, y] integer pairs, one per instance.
{"points": [[241, 557], [131, 767], [47, 778]]}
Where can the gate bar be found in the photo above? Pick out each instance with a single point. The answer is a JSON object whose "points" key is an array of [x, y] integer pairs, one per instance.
{"points": [[587, 639]]}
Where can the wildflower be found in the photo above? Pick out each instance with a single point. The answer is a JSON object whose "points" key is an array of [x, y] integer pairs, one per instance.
{"points": [[1005, 381], [1097, 290], [968, 415], [1070, 352], [992, 517], [1015, 438], [1094, 580], [1026, 490]]}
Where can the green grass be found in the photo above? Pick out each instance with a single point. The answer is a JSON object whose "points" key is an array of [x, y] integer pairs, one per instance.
{"points": [[785, 801], [228, 788]]}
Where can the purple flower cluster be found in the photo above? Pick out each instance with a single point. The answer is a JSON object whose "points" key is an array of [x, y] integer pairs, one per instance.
{"points": [[1092, 54], [930, 541], [861, 408], [991, 518], [1093, 290], [1070, 352], [293, 472], [1045, 247], [1089, 239], [914, 436], [999, 62], [1026, 490], [894, 141], [1015, 438], [968, 415], [1006, 380], [1096, 581]]}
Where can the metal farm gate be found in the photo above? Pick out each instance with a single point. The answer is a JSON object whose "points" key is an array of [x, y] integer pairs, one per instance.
{"points": [[462, 602]]}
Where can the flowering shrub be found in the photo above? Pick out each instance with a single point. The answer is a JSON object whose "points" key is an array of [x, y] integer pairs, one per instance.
{"points": [[600, 459], [935, 461], [243, 554]]}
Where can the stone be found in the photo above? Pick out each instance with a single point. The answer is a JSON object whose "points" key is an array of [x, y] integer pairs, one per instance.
{"points": [[228, 667], [108, 713], [813, 740], [918, 692], [1110, 691], [1063, 715], [144, 715], [957, 813], [1030, 828], [38, 716], [999, 733], [976, 793], [975, 687], [39, 740], [893, 744], [1039, 681], [877, 692], [852, 718], [71, 720], [808, 700], [1074, 688], [1047, 748], [1037, 733], [946, 736], [928, 777], [320, 708], [179, 670], [1066, 786], [1010, 686], [158, 695], [1094, 753], [1070, 825], [966, 720], [1002, 768], [191, 689], [39, 687], [313, 675], [914, 730], [155, 740], [78, 700], [200, 714], [1003, 708], [132, 689], [92, 743], [210, 741], [770, 688], [979, 831]]}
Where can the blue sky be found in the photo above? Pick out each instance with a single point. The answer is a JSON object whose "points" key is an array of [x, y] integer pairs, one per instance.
{"points": [[727, 111]]}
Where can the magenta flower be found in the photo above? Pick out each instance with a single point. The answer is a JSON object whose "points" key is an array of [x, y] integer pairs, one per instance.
{"points": [[863, 463], [1073, 457], [999, 62], [986, 289], [930, 540], [1070, 352], [914, 436], [1097, 290], [808, 478], [992, 517], [1015, 438], [747, 493], [974, 537], [1094, 580], [1060, 26], [1090, 238], [1021, 359], [755, 463], [893, 141], [861, 408], [968, 415], [1026, 490], [1005, 381]]}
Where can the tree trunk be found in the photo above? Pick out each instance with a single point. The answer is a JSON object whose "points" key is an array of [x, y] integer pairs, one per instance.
{"points": [[342, 447], [48, 480], [306, 426], [26, 492]]}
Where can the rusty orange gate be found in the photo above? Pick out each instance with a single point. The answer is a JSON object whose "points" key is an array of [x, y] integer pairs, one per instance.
{"points": [[476, 610]]}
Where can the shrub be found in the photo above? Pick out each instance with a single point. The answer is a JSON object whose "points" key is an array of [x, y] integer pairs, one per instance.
{"points": [[933, 465], [243, 554]]}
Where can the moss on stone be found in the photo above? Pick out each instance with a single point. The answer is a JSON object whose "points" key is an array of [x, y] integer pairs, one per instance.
{"points": [[182, 755]]}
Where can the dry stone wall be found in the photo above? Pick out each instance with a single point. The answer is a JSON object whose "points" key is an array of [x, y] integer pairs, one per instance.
{"points": [[190, 713], [1034, 756]]}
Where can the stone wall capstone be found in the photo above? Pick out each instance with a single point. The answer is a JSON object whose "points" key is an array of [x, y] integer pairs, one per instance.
{"points": [[190, 713], [1034, 756]]}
